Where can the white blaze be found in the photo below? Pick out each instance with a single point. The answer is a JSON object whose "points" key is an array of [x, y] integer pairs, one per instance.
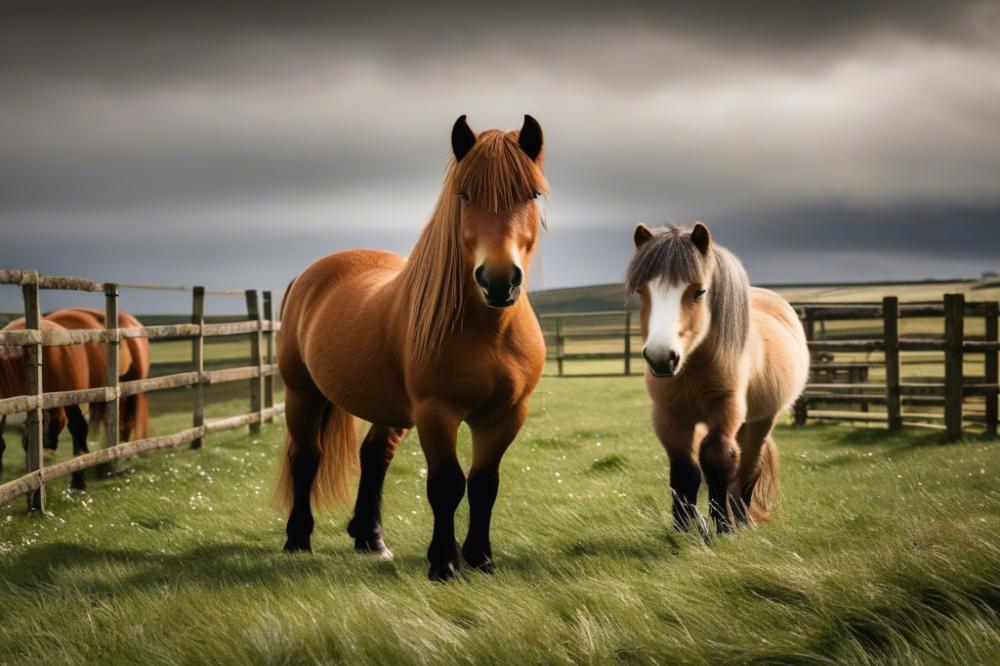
{"points": [[664, 318]]}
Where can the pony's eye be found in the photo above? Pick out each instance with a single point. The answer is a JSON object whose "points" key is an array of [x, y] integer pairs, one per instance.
{"points": [[536, 194], [698, 295], [464, 196]]}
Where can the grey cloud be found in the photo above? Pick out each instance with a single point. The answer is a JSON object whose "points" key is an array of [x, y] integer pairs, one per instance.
{"points": [[808, 129]]}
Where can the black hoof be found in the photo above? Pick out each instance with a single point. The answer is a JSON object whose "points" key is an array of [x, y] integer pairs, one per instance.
{"points": [[479, 560], [369, 541], [441, 573], [297, 547], [375, 548], [77, 482], [699, 524]]}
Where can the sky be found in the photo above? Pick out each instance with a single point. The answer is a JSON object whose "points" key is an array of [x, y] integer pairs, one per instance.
{"points": [[229, 147]]}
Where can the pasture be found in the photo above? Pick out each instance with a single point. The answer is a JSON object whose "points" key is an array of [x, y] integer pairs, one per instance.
{"points": [[885, 548]]}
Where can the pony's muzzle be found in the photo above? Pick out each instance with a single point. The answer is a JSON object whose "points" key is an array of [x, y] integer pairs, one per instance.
{"points": [[662, 365], [499, 291]]}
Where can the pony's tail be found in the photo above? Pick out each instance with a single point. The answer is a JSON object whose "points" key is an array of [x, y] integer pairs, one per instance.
{"points": [[764, 498], [140, 417], [337, 450], [97, 412]]}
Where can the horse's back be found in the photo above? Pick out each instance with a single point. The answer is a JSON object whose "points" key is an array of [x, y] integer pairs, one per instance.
{"points": [[340, 333], [779, 353], [64, 367]]}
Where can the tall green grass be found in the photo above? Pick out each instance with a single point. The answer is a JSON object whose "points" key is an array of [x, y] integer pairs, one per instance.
{"points": [[886, 549]]}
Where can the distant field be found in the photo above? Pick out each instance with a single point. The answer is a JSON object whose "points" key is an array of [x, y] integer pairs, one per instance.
{"points": [[612, 296]]}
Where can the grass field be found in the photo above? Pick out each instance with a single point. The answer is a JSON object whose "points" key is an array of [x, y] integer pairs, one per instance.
{"points": [[886, 549]]}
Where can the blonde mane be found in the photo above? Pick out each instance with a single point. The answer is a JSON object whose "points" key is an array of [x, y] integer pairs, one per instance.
{"points": [[496, 174]]}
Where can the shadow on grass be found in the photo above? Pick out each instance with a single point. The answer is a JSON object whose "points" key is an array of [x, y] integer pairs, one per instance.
{"points": [[211, 565]]}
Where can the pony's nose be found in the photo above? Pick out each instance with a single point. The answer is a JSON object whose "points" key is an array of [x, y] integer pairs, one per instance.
{"points": [[499, 291], [481, 277], [662, 365], [516, 276]]}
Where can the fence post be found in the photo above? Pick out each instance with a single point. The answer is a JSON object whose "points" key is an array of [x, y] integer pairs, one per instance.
{"points": [[559, 345], [890, 335], [112, 352], [992, 368], [33, 387], [801, 408], [628, 342], [954, 313], [256, 383], [198, 361], [269, 379]]}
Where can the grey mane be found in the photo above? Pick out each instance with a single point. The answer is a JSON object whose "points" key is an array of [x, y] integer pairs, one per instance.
{"points": [[671, 256]]}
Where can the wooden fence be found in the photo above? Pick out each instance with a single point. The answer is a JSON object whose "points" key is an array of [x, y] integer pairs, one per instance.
{"points": [[260, 325], [835, 381]]}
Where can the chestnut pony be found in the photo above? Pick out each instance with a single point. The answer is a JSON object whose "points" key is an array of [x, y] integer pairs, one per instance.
{"points": [[721, 353], [442, 337], [64, 368], [133, 363]]}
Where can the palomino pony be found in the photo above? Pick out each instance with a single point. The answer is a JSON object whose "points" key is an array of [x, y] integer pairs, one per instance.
{"points": [[434, 340], [64, 368], [133, 363], [720, 353]]}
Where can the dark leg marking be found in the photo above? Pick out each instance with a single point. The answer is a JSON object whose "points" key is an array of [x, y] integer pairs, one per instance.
{"points": [[79, 430], [52, 428], [376, 453], [445, 489], [300, 521], [719, 458], [483, 487], [685, 479]]}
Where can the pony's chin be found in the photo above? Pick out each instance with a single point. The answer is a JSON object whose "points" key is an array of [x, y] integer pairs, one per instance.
{"points": [[662, 375]]}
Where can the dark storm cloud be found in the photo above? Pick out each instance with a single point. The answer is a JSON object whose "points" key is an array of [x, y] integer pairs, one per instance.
{"points": [[837, 127]]}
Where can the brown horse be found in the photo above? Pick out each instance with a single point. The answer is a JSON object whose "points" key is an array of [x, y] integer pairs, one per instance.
{"points": [[133, 363], [720, 353], [64, 368], [434, 340]]}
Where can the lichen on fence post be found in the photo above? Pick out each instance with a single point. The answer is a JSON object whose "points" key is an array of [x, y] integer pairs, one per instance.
{"points": [[112, 349], [256, 383], [269, 379], [890, 336], [33, 387], [628, 342], [198, 361], [954, 325], [991, 368]]}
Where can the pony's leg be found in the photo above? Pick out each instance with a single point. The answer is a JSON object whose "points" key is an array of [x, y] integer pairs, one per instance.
{"points": [[304, 416], [489, 443], [54, 420], [437, 426], [376, 453], [752, 438], [677, 437], [720, 459], [78, 429]]}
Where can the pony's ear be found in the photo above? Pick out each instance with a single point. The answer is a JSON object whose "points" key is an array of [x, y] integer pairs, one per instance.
{"points": [[701, 237], [530, 138], [642, 234], [462, 138]]}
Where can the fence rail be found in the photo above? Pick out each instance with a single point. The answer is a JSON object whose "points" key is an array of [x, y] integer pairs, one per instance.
{"points": [[616, 329], [260, 325]]}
